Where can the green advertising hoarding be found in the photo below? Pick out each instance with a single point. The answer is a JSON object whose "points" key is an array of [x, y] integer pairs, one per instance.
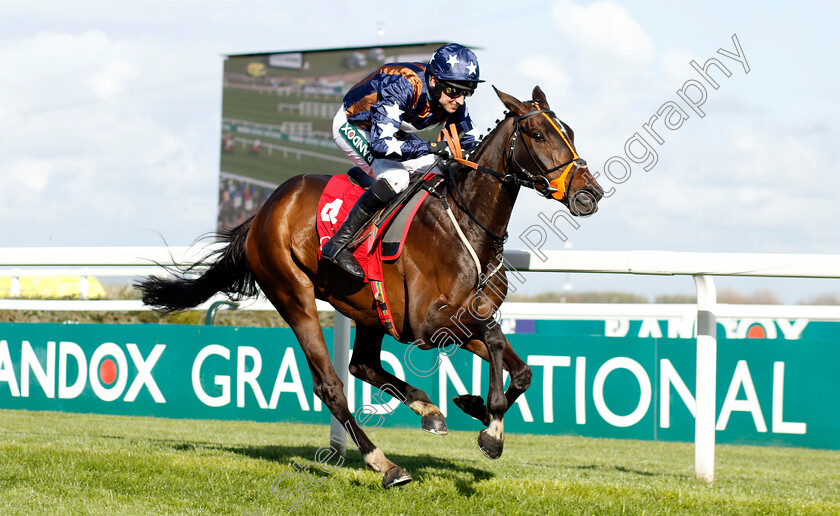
{"points": [[770, 391]]}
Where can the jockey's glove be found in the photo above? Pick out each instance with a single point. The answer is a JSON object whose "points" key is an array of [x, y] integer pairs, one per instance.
{"points": [[439, 148]]}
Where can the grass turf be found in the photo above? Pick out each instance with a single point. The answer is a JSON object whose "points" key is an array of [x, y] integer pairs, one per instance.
{"points": [[58, 463]]}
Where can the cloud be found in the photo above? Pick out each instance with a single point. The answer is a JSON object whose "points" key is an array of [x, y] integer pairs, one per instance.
{"points": [[605, 30], [547, 71], [96, 131], [112, 81]]}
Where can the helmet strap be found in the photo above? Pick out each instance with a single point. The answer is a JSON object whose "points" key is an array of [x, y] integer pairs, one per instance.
{"points": [[435, 90]]}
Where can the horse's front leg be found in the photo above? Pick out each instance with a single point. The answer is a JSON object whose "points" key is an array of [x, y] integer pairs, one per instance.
{"points": [[491, 439]]}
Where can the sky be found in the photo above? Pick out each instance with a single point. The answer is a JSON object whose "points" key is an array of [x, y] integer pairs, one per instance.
{"points": [[110, 116]]}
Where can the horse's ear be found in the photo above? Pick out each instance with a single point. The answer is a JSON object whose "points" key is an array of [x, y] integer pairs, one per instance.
{"points": [[539, 97], [511, 103]]}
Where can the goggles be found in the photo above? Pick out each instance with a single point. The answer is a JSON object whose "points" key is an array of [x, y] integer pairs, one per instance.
{"points": [[454, 91]]}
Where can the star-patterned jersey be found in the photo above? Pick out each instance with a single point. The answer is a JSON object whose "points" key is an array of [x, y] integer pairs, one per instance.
{"points": [[393, 102]]}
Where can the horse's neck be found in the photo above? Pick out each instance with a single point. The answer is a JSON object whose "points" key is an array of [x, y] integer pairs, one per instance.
{"points": [[486, 196]]}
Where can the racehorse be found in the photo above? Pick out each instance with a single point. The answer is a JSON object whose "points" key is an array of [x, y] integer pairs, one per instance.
{"points": [[447, 282]]}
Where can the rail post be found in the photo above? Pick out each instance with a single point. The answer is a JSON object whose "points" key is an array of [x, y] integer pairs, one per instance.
{"points": [[705, 386], [341, 364]]}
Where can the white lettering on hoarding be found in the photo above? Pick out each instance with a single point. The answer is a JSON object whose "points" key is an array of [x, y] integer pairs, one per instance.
{"points": [[792, 330], [779, 425], [367, 397], [144, 373], [447, 370], [650, 329], [681, 328], [29, 362], [580, 390], [644, 396], [669, 377], [476, 375], [249, 377], [218, 380], [65, 350], [44, 371], [616, 327], [7, 372], [288, 366], [684, 327], [548, 364], [731, 404]]}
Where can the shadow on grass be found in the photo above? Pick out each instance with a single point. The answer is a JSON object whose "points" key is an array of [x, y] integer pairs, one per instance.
{"points": [[622, 469], [420, 467]]}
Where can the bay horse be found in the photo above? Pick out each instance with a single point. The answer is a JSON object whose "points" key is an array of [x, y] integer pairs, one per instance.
{"points": [[445, 278]]}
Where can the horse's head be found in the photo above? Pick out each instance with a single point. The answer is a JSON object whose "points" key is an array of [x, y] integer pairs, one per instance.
{"points": [[541, 152]]}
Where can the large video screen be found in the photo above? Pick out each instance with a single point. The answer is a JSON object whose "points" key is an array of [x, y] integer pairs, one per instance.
{"points": [[277, 111]]}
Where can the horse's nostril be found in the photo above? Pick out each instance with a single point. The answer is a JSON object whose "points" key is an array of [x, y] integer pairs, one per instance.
{"points": [[584, 203]]}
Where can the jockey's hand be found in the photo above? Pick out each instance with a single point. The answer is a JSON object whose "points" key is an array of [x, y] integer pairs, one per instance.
{"points": [[439, 148]]}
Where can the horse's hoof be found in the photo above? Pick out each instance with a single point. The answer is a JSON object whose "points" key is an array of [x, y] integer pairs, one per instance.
{"points": [[434, 424], [489, 445], [472, 406], [394, 477]]}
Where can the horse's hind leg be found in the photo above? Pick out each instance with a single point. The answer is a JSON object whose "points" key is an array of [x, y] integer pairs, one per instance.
{"points": [[366, 365], [300, 312]]}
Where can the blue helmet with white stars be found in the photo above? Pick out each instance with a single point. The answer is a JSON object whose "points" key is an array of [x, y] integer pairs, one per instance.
{"points": [[457, 63]]}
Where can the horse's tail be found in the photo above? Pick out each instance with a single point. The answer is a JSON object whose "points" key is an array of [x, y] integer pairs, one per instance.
{"points": [[227, 272]]}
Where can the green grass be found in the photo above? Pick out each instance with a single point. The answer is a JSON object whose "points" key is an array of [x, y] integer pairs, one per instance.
{"points": [[322, 62], [56, 463], [261, 107], [274, 168]]}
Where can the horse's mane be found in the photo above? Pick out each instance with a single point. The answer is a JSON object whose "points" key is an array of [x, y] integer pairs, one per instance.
{"points": [[483, 138]]}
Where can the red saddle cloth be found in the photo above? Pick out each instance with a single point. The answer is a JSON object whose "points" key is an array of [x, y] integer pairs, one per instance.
{"points": [[336, 202], [382, 243]]}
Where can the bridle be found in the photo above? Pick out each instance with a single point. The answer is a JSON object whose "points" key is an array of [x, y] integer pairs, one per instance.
{"points": [[539, 183], [555, 186]]}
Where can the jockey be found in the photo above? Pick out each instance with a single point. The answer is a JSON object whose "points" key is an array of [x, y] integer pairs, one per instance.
{"points": [[375, 124]]}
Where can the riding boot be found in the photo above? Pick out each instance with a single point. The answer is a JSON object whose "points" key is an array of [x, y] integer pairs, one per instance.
{"points": [[369, 203]]}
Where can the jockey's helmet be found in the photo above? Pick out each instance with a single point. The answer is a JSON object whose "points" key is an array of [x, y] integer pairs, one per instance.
{"points": [[455, 63]]}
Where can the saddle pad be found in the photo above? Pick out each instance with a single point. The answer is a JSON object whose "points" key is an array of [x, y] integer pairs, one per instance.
{"points": [[395, 233], [336, 202]]}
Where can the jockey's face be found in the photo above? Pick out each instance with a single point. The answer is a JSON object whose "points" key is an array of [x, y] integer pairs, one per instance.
{"points": [[449, 104]]}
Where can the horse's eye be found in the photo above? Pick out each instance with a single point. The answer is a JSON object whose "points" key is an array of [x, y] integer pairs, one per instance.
{"points": [[538, 136]]}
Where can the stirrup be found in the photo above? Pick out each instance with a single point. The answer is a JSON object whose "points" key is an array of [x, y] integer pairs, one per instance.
{"points": [[345, 260]]}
